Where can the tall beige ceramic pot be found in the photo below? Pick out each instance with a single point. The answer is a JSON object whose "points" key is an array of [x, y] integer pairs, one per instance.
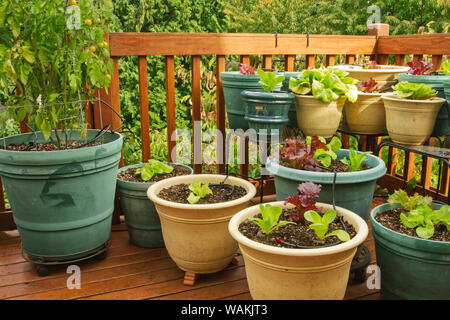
{"points": [[298, 274], [196, 235], [317, 118], [366, 115], [410, 121]]}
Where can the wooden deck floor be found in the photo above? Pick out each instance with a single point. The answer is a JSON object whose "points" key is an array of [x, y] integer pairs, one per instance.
{"points": [[129, 272]]}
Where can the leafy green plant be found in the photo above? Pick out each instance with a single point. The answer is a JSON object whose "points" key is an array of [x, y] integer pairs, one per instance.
{"points": [[409, 203], [199, 191], [326, 156], [57, 55], [269, 80], [153, 168], [414, 91], [424, 219], [355, 160], [270, 215], [320, 225], [445, 67], [325, 84]]}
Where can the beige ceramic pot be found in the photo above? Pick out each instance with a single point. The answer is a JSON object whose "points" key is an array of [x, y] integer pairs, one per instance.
{"points": [[366, 115], [386, 77], [196, 235], [408, 121], [316, 118], [298, 274]]}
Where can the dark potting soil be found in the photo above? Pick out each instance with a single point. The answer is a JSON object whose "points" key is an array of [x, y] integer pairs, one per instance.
{"points": [[299, 234], [221, 193], [128, 175], [391, 220], [50, 146]]}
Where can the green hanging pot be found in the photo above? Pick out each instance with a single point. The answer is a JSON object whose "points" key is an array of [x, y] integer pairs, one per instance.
{"points": [[353, 190], [442, 126], [411, 268], [140, 214], [62, 201], [285, 87]]}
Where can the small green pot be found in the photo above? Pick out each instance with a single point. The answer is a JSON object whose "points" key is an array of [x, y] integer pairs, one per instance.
{"points": [[411, 268], [267, 111], [442, 126], [141, 217], [353, 190], [285, 87], [62, 201]]}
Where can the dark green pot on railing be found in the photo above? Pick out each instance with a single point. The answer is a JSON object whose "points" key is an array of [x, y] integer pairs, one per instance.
{"points": [[353, 190], [141, 217], [62, 201], [267, 111], [285, 87], [442, 126], [411, 268], [447, 91]]}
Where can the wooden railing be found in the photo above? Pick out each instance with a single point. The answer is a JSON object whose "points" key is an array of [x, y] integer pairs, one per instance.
{"points": [[378, 44]]}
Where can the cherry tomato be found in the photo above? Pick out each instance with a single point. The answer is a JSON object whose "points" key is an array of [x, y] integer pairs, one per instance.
{"points": [[73, 3], [88, 22], [93, 49]]}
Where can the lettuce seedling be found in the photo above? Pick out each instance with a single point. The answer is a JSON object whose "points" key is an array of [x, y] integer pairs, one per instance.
{"points": [[325, 84], [199, 191], [414, 91], [324, 156], [423, 219], [320, 225], [153, 168], [445, 67], [269, 80], [245, 69], [270, 215], [303, 201], [425, 68], [409, 203], [299, 153], [369, 86], [356, 160]]}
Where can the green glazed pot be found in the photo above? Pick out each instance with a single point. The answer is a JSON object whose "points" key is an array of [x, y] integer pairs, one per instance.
{"points": [[267, 111], [447, 92], [353, 190], [411, 268], [62, 201], [141, 217], [285, 87], [442, 126]]}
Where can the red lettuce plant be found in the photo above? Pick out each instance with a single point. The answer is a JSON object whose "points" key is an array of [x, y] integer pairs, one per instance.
{"points": [[369, 86], [299, 154], [303, 201], [245, 69], [425, 68]]}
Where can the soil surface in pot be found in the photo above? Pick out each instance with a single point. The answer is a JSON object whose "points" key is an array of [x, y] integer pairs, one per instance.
{"points": [[128, 175], [336, 165], [221, 193], [298, 234], [391, 220], [50, 146]]}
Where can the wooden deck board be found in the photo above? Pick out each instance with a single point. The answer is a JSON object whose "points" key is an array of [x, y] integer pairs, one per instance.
{"points": [[130, 272]]}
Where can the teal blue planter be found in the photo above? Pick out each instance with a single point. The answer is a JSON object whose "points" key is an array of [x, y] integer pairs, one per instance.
{"points": [[62, 201], [353, 190], [442, 126], [447, 91], [141, 217], [267, 111], [285, 87], [411, 268]]}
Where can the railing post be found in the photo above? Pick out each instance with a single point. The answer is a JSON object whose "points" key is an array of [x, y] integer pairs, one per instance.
{"points": [[379, 30]]}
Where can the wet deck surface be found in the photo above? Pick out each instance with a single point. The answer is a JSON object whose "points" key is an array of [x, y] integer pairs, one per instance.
{"points": [[130, 272]]}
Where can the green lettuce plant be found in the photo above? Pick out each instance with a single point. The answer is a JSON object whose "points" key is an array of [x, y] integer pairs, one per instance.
{"points": [[270, 215], [445, 67], [409, 203], [269, 80], [424, 219], [325, 156], [414, 91], [153, 168], [320, 225], [355, 160], [199, 191], [325, 84]]}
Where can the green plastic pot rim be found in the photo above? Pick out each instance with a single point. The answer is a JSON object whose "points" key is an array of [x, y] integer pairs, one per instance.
{"points": [[435, 79], [371, 174], [361, 235], [403, 239], [268, 120], [258, 94], [236, 75]]}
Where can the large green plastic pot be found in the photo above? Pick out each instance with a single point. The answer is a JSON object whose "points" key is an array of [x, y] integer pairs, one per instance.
{"points": [[267, 111], [141, 217], [285, 87], [411, 268], [62, 201], [353, 190], [447, 91], [442, 126]]}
